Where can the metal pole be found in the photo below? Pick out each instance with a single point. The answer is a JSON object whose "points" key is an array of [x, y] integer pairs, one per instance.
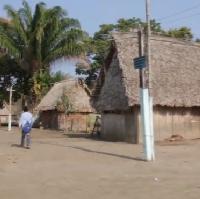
{"points": [[10, 109]]}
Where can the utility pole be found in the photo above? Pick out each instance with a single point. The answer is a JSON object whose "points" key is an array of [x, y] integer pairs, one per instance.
{"points": [[151, 152], [148, 47], [145, 101], [141, 53], [10, 107]]}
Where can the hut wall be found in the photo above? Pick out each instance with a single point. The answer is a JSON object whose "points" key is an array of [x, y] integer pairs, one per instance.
{"points": [[171, 121], [182, 121], [3, 119], [49, 119], [167, 122], [119, 127], [76, 122]]}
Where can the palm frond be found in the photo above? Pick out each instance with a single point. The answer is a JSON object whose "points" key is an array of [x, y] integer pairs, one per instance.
{"points": [[7, 43], [70, 23], [17, 23], [62, 40], [56, 12], [40, 38], [68, 51], [26, 14]]}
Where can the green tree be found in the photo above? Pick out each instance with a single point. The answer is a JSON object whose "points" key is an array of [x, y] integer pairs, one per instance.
{"points": [[182, 33], [10, 73], [38, 39], [99, 45], [43, 81], [35, 40]]}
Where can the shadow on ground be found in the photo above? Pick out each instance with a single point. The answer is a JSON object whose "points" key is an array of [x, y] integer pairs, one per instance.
{"points": [[16, 145], [93, 151]]}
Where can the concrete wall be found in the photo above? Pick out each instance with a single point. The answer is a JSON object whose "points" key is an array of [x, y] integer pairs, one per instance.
{"points": [[167, 122], [119, 127]]}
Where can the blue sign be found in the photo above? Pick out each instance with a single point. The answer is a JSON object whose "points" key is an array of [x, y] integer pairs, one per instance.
{"points": [[139, 62]]}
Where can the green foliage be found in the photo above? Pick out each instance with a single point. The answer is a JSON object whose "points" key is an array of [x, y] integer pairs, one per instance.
{"points": [[64, 104], [125, 25], [183, 33], [99, 45], [58, 76], [38, 39], [43, 81], [35, 40], [104, 30], [156, 27], [11, 73]]}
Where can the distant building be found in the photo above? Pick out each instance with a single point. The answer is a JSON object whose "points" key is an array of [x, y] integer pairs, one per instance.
{"points": [[53, 114], [4, 113], [176, 89]]}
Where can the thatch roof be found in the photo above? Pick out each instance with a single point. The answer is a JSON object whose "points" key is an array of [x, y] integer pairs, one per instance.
{"points": [[175, 73], [75, 92], [83, 63]]}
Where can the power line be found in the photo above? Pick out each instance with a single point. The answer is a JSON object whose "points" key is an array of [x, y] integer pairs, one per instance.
{"points": [[182, 18], [178, 13]]}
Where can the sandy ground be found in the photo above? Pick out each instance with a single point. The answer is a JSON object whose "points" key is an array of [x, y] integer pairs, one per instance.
{"points": [[59, 167]]}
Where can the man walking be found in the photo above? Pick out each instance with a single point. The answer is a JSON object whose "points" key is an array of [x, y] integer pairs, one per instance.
{"points": [[25, 123]]}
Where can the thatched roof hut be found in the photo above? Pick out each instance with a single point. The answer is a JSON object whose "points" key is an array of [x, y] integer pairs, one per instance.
{"points": [[175, 73], [175, 79], [77, 95]]}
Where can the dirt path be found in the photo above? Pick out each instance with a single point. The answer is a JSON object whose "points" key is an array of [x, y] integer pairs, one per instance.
{"points": [[78, 168]]}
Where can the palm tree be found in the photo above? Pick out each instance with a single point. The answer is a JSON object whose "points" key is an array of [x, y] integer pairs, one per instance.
{"points": [[36, 40]]}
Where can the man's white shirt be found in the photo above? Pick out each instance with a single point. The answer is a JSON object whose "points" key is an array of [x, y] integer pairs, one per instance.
{"points": [[24, 118]]}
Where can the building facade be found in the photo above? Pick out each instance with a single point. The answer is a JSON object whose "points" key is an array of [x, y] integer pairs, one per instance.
{"points": [[175, 82]]}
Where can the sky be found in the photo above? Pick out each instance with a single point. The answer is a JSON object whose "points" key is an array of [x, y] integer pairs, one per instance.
{"points": [[92, 13]]}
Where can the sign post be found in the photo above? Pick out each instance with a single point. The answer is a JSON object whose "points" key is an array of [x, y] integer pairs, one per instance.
{"points": [[139, 62], [145, 103], [10, 108]]}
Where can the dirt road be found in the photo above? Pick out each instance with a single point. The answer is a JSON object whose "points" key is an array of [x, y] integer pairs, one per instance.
{"points": [[58, 167]]}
